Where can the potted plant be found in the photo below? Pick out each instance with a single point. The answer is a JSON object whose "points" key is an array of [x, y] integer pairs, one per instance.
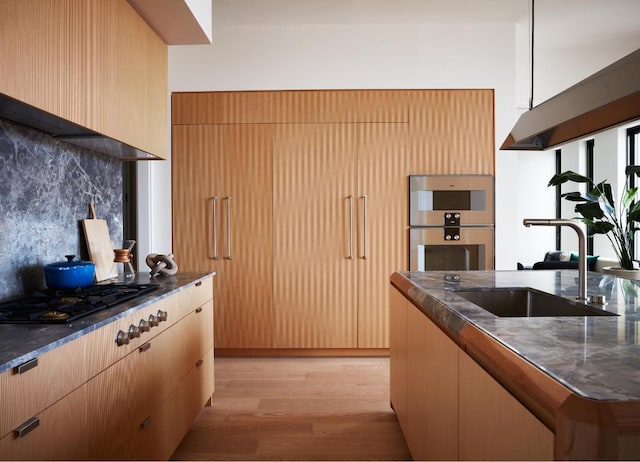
{"points": [[603, 215]]}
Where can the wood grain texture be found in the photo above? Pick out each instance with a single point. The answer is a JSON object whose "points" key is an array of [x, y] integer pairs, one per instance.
{"points": [[314, 169], [432, 390], [246, 176], [295, 106], [297, 409], [105, 69], [383, 105], [61, 434], [514, 433], [382, 167], [194, 108], [246, 107], [398, 310], [100, 248], [451, 132], [337, 106], [25, 395]]}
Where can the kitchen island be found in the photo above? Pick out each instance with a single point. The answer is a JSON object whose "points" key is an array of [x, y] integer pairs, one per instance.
{"points": [[125, 382], [574, 381]]}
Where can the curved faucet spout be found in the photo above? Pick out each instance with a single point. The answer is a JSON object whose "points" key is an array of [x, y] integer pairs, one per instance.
{"points": [[582, 247]]}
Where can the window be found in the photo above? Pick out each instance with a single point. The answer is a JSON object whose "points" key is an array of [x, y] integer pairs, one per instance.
{"points": [[558, 198], [590, 149], [633, 157]]}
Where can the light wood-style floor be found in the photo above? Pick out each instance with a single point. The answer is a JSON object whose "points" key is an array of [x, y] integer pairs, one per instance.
{"points": [[297, 409]]}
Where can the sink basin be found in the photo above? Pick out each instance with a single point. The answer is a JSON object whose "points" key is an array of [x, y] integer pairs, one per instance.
{"points": [[526, 302]]}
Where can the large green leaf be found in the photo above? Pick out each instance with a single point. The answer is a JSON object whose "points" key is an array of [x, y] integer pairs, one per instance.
{"points": [[632, 170], [628, 198], [603, 189], [591, 210], [577, 196], [568, 176], [601, 227], [634, 212]]}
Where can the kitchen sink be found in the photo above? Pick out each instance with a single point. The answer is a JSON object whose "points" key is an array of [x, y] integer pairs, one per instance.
{"points": [[527, 302]]}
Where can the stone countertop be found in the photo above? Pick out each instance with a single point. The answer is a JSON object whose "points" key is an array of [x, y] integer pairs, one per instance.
{"points": [[596, 357], [22, 342]]}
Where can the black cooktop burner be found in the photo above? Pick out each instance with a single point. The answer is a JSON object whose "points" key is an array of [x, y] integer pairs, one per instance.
{"points": [[55, 307]]}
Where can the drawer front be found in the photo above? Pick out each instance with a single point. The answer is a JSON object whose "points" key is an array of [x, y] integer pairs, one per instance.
{"points": [[57, 373], [56, 433]]}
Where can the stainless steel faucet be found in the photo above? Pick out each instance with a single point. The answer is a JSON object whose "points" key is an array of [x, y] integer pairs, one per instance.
{"points": [[582, 247]]}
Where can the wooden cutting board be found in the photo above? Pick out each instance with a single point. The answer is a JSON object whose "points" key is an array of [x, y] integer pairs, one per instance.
{"points": [[99, 245]]}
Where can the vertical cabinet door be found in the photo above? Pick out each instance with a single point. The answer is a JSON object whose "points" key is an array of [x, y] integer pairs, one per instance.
{"points": [[246, 243], [197, 215], [314, 223], [382, 224]]}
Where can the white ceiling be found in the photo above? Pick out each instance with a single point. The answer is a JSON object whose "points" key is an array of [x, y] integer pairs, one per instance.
{"points": [[589, 20]]}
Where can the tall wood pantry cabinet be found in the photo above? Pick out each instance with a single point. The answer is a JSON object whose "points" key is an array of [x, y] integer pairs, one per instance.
{"points": [[298, 200]]}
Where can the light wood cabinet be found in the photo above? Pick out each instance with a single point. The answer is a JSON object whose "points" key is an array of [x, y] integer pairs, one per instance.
{"points": [[451, 132], [95, 63], [90, 403], [325, 225], [314, 230], [61, 432], [432, 390], [493, 424], [398, 311], [223, 223], [448, 406]]}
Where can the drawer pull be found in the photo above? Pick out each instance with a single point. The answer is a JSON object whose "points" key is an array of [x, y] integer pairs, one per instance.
{"points": [[198, 284], [199, 363], [26, 366], [26, 427], [144, 347], [146, 422], [199, 309]]}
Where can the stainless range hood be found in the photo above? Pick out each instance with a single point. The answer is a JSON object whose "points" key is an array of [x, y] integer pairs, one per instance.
{"points": [[69, 132], [604, 100]]}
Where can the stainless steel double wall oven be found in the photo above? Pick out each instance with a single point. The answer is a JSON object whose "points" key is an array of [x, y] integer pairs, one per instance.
{"points": [[451, 221]]}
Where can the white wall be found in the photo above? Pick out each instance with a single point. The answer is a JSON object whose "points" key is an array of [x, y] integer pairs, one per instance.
{"points": [[356, 56]]}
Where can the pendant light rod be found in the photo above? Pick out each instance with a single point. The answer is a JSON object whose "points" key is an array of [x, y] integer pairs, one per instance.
{"points": [[531, 49]]}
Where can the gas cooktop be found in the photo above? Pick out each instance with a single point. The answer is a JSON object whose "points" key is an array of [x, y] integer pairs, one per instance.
{"points": [[64, 306]]}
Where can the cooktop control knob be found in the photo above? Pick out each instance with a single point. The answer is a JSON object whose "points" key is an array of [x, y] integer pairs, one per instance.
{"points": [[153, 320], [134, 332], [162, 315], [122, 338], [144, 326]]}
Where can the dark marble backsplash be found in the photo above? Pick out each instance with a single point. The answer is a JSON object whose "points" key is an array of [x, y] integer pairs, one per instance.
{"points": [[45, 189]]}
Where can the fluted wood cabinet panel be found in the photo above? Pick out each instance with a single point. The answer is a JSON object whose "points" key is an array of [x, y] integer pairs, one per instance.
{"points": [[337, 106], [473, 145], [382, 239], [314, 276], [295, 106], [451, 132], [247, 302], [383, 106], [61, 434], [196, 108], [196, 163], [246, 107], [87, 61]]}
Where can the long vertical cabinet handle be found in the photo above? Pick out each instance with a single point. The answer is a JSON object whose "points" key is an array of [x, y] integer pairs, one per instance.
{"points": [[215, 226], [228, 227], [364, 226], [350, 227]]}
